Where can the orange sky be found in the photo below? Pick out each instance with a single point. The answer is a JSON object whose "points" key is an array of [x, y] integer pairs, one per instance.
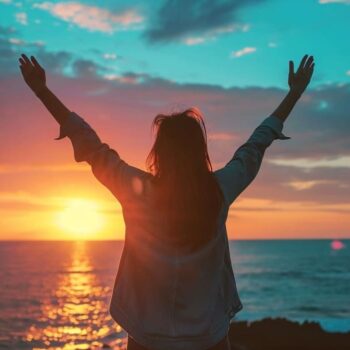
{"points": [[41, 183]]}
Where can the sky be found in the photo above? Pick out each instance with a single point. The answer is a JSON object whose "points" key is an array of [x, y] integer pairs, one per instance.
{"points": [[119, 64]]}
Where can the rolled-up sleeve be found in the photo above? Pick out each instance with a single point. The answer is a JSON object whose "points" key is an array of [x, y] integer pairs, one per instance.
{"points": [[241, 170], [106, 164]]}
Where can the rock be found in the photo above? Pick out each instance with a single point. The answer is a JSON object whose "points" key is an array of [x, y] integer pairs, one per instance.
{"points": [[280, 333]]}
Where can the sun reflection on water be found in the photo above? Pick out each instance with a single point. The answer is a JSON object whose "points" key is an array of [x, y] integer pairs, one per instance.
{"points": [[76, 315]]}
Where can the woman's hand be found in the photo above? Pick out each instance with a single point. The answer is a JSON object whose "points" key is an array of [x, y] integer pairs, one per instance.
{"points": [[299, 81], [33, 73]]}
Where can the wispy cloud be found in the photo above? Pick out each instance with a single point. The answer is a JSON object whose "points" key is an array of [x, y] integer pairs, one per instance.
{"points": [[312, 163], [334, 2], [20, 42], [213, 34], [245, 51], [306, 185], [109, 56], [127, 78], [272, 44], [92, 17], [17, 168], [21, 17], [195, 41], [221, 136], [16, 41]]}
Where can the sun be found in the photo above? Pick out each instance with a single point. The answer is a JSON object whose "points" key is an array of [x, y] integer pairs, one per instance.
{"points": [[81, 217]]}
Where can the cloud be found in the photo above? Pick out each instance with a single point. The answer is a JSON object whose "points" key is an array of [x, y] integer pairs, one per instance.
{"points": [[7, 30], [21, 17], [348, 72], [334, 2], [129, 78], [194, 41], [181, 20], [245, 51], [211, 35], [92, 17], [16, 41], [8, 56], [272, 44], [25, 168], [222, 136], [306, 163], [55, 62], [11, 47], [86, 68], [109, 56], [60, 62], [20, 42], [305, 185]]}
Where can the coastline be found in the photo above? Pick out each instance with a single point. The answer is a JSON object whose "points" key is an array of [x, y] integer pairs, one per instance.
{"points": [[281, 333]]}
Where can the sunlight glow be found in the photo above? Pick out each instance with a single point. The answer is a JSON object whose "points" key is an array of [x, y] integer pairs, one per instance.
{"points": [[337, 245], [78, 318], [81, 217]]}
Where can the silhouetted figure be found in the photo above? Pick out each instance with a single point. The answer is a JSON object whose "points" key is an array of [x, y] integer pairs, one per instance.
{"points": [[175, 287]]}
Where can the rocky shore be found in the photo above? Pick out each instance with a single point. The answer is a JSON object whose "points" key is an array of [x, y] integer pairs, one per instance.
{"points": [[282, 334]]}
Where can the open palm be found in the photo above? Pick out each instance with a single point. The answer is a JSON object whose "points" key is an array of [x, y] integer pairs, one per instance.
{"points": [[33, 73], [299, 80]]}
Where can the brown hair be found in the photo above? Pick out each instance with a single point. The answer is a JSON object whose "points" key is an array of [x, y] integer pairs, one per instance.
{"points": [[188, 196]]}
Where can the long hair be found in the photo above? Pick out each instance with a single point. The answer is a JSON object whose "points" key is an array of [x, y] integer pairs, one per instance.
{"points": [[187, 194]]}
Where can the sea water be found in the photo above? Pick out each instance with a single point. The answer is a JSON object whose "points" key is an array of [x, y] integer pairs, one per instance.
{"points": [[55, 295]]}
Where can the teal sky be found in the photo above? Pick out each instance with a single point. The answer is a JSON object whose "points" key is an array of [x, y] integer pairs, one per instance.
{"points": [[275, 31]]}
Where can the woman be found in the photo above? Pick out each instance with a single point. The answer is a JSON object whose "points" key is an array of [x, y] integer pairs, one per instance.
{"points": [[175, 287]]}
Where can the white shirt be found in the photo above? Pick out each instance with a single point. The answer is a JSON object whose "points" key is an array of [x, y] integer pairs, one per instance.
{"points": [[164, 299]]}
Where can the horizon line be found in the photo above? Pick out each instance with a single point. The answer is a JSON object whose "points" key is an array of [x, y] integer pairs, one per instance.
{"points": [[122, 240]]}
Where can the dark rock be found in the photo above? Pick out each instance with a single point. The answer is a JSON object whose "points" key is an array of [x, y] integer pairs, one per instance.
{"points": [[280, 333]]}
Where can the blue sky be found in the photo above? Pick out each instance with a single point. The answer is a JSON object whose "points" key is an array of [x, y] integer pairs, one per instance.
{"points": [[273, 31]]}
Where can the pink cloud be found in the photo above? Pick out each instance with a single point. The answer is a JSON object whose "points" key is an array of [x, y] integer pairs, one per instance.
{"points": [[91, 17], [222, 136]]}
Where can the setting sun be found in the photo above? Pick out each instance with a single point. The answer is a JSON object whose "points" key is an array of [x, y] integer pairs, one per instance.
{"points": [[81, 217]]}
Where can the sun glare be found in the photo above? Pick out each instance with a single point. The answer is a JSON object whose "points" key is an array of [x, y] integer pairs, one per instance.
{"points": [[81, 217]]}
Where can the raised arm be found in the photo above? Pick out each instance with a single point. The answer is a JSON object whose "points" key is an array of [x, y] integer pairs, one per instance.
{"points": [[122, 179], [297, 82], [35, 77], [242, 169]]}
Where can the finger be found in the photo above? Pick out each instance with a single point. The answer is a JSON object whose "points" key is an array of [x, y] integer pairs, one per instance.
{"points": [[309, 62], [302, 62], [26, 59], [21, 60], [35, 62], [291, 67], [311, 71]]}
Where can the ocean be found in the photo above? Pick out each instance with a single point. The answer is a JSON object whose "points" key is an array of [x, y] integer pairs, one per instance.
{"points": [[55, 295]]}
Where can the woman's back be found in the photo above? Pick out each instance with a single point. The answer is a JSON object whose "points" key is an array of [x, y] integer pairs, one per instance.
{"points": [[163, 293]]}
